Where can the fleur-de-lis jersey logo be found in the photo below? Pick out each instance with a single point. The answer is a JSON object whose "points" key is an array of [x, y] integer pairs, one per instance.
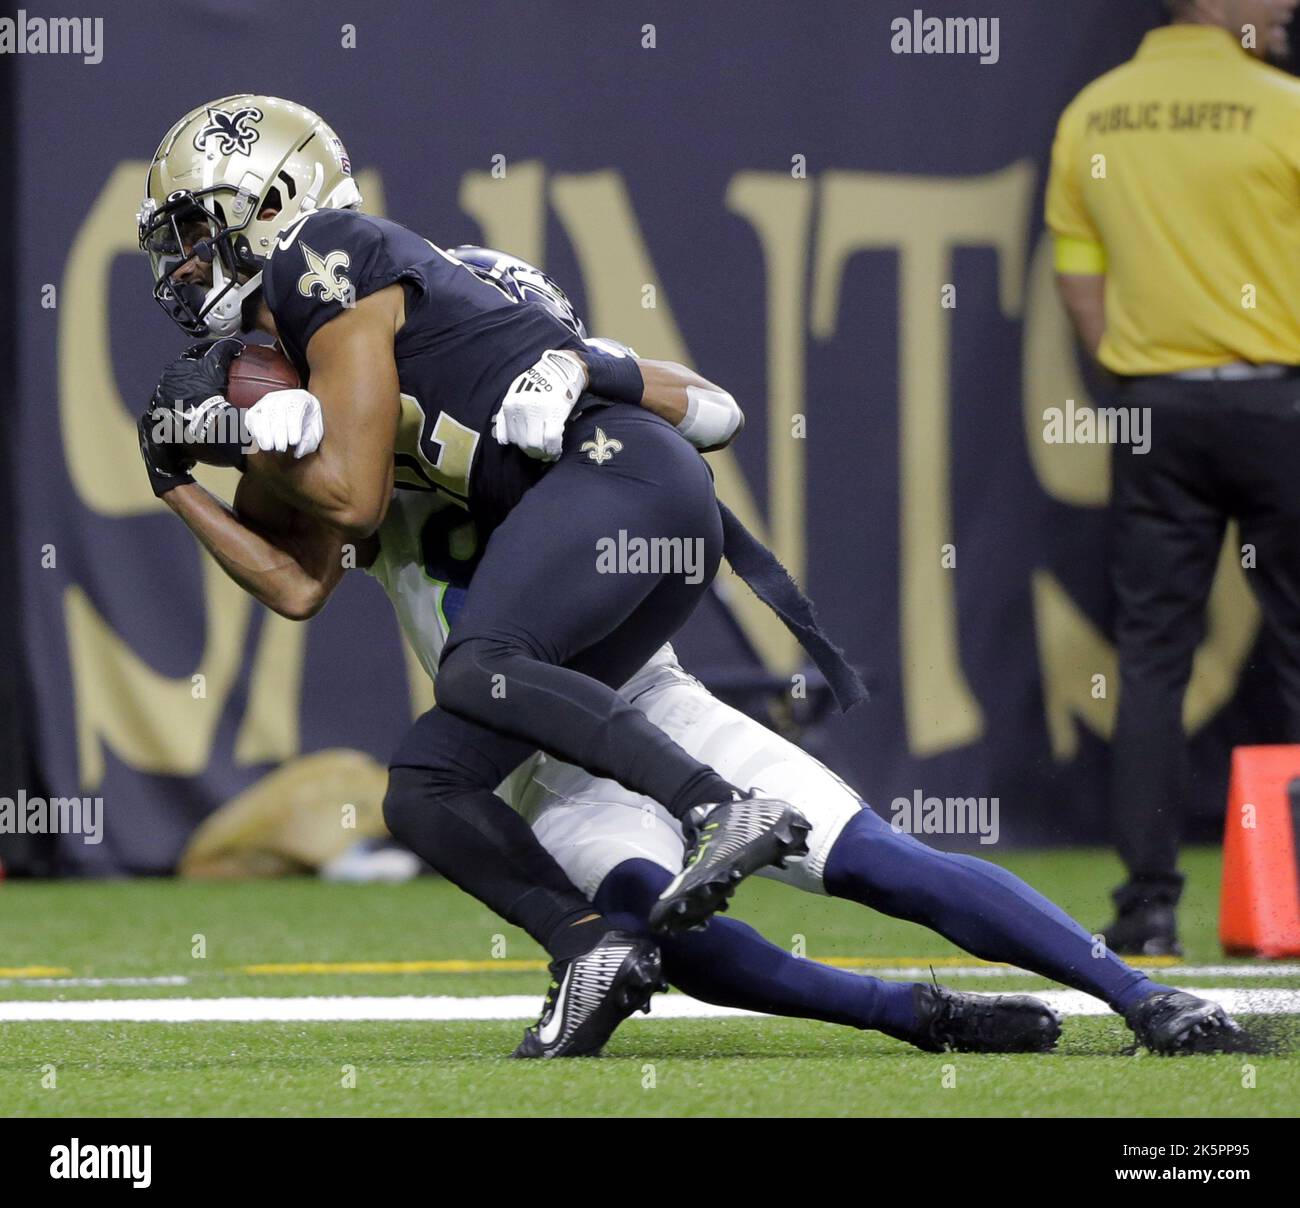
{"points": [[325, 273], [602, 449], [234, 131]]}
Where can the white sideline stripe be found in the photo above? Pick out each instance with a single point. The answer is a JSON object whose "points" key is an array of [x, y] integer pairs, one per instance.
{"points": [[1266, 969], [1235, 1002], [506, 1006], [1156, 973]]}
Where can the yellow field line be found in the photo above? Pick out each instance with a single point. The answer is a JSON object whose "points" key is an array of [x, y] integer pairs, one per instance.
{"points": [[34, 971], [532, 966]]}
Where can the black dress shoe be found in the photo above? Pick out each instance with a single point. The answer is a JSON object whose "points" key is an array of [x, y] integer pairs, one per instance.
{"points": [[1149, 929]]}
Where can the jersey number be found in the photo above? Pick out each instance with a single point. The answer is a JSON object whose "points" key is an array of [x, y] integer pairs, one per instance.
{"points": [[433, 455]]}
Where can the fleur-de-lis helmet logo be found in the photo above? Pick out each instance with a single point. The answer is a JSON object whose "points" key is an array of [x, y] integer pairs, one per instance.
{"points": [[235, 130]]}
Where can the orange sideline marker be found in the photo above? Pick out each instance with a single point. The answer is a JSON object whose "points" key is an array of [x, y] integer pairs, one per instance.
{"points": [[1260, 906]]}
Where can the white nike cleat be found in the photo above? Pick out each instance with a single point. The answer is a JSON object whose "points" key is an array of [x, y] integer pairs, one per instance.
{"points": [[592, 994]]}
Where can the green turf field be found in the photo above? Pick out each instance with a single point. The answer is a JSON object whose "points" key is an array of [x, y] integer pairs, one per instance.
{"points": [[300, 939]]}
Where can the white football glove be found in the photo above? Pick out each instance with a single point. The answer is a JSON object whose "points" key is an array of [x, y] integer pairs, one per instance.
{"points": [[286, 419], [537, 405]]}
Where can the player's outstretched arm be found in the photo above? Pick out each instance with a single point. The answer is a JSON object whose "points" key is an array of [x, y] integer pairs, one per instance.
{"points": [[702, 412], [287, 560], [538, 404], [348, 481]]}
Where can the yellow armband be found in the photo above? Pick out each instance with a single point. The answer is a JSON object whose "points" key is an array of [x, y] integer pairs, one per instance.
{"points": [[1078, 256]]}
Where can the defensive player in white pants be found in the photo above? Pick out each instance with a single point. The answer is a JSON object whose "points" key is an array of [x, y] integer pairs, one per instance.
{"points": [[568, 808]]}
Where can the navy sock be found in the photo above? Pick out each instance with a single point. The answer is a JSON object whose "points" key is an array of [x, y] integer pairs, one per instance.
{"points": [[730, 964], [978, 906]]}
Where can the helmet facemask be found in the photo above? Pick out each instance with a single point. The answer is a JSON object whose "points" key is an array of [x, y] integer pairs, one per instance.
{"points": [[193, 225]]}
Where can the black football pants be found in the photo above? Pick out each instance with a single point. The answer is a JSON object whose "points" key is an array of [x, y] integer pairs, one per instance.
{"points": [[567, 603], [1219, 450]]}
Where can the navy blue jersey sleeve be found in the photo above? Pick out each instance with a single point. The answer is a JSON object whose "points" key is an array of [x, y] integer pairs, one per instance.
{"points": [[320, 267]]}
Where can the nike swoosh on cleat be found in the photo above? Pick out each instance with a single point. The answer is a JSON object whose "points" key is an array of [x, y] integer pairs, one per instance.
{"points": [[549, 1032]]}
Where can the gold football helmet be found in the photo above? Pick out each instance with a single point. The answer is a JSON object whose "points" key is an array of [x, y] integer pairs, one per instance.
{"points": [[226, 179]]}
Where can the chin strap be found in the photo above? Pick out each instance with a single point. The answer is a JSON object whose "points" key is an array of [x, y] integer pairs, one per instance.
{"points": [[226, 317]]}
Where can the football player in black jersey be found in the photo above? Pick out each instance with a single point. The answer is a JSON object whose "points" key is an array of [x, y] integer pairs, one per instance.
{"points": [[428, 378]]}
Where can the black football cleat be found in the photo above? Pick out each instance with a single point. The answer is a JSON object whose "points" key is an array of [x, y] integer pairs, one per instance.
{"points": [[958, 1022], [730, 841], [592, 994], [1149, 929], [1171, 1022]]}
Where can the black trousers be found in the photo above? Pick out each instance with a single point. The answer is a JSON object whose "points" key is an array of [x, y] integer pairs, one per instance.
{"points": [[1219, 450]]}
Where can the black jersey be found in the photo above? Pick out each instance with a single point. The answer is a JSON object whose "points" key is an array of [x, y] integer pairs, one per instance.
{"points": [[462, 344]]}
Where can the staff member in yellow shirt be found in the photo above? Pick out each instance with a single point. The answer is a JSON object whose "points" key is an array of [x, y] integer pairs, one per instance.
{"points": [[1174, 200]]}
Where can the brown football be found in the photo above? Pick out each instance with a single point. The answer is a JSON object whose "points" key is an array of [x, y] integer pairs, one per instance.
{"points": [[258, 370]]}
